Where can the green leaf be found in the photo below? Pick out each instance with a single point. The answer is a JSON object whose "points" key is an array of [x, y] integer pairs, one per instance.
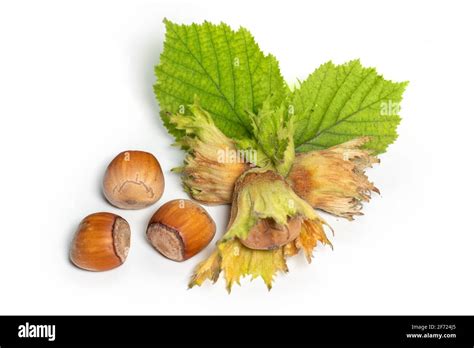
{"points": [[224, 68], [338, 103]]}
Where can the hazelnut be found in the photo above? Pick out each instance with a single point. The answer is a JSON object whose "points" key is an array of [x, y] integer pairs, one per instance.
{"points": [[133, 180], [101, 242], [180, 229], [267, 234]]}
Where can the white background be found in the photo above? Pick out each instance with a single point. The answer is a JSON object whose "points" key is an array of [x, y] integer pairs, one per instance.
{"points": [[76, 88]]}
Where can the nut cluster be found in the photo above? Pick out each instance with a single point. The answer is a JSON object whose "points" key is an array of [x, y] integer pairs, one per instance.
{"points": [[134, 180]]}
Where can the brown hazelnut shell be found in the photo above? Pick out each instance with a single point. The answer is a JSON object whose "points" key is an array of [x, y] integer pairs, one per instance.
{"points": [[133, 180], [101, 242], [180, 229], [267, 235]]}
